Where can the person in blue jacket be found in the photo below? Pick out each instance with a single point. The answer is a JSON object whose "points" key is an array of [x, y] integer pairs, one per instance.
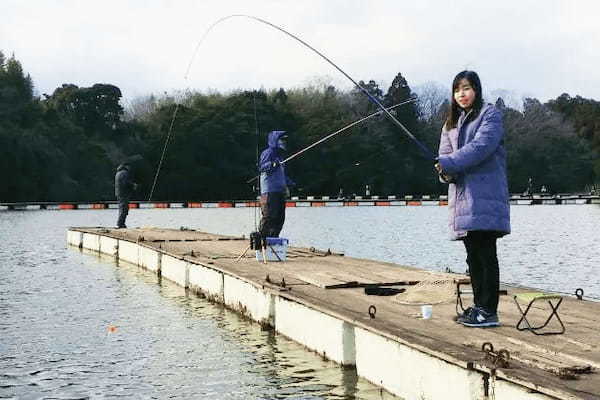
{"points": [[472, 154], [273, 185]]}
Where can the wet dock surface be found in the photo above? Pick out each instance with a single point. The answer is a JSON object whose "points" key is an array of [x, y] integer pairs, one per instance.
{"points": [[562, 366]]}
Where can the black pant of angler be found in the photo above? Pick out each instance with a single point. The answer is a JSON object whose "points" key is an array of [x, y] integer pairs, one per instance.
{"points": [[272, 206], [123, 211], [482, 260]]}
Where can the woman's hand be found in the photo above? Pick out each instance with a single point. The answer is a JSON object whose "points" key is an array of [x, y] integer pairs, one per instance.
{"points": [[443, 176]]}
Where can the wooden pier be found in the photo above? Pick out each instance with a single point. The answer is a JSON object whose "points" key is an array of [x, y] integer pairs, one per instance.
{"points": [[318, 299]]}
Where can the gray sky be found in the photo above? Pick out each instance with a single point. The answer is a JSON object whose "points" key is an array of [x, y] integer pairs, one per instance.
{"points": [[534, 48]]}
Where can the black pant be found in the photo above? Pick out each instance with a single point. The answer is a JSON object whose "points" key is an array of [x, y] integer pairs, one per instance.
{"points": [[272, 206], [123, 211], [483, 267]]}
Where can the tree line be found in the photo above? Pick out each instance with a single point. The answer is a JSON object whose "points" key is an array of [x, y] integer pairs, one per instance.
{"points": [[65, 146]]}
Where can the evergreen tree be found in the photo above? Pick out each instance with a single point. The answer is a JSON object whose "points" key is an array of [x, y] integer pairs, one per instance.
{"points": [[16, 93]]}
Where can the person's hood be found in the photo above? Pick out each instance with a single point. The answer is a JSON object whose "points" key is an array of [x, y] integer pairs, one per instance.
{"points": [[126, 162], [274, 136]]}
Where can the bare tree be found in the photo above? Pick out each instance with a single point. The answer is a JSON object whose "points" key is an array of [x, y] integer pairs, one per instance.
{"points": [[509, 97], [431, 97], [140, 107]]}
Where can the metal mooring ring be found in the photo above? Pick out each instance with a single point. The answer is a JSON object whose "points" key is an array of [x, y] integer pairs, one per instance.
{"points": [[487, 347], [504, 354], [372, 311], [579, 293]]}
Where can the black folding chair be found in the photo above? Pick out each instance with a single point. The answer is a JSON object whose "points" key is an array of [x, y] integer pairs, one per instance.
{"points": [[553, 300]]}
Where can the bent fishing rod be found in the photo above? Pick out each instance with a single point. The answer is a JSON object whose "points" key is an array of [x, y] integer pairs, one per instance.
{"points": [[345, 128], [426, 152]]}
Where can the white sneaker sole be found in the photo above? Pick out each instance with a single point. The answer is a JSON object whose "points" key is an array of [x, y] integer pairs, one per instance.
{"points": [[480, 325]]}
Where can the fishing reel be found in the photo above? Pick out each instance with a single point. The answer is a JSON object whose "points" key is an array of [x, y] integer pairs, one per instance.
{"points": [[446, 178]]}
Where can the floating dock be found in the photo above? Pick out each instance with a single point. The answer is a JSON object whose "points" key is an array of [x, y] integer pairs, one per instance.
{"points": [[317, 298]]}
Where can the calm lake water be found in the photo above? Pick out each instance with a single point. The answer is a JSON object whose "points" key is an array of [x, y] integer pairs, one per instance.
{"points": [[57, 303]]}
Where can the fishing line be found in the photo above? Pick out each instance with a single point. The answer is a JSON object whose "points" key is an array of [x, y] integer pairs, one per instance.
{"points": [[162, 156], [256, 192]]}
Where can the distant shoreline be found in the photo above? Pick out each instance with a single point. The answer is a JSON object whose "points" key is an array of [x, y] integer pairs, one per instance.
{"points": [[308, 201]]}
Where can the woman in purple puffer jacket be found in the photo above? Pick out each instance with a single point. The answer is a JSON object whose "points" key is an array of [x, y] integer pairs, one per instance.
{"points": [[472, 158]]}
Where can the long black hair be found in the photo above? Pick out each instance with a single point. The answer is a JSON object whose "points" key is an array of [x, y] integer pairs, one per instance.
{"points": [[455, 109]]}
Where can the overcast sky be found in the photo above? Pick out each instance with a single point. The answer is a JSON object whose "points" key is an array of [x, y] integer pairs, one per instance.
{"points": [[532, 48]]}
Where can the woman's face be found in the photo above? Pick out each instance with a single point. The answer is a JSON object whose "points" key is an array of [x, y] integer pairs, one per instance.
{"points": [[464, 94]]}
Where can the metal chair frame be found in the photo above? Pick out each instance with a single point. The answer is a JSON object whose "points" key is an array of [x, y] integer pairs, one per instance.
{"points": [[524, 323]]}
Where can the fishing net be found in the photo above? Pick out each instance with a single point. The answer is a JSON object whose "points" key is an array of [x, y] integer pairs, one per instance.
{"points": [[433, 291]]}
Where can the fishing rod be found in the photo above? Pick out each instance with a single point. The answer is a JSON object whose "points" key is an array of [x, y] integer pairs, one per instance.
{"points": [[426, 152], [345, 128]]}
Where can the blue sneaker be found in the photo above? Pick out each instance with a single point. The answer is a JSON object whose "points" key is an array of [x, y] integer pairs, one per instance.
{"points": [[465, 314], [479, 318]]}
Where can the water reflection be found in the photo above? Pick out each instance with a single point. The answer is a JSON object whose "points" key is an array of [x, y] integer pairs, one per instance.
{"points": [[77, 325]]}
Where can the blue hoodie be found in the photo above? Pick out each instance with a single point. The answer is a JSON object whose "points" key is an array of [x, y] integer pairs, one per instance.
{"points": [[272, 179]]}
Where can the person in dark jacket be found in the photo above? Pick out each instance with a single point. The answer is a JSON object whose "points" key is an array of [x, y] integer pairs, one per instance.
{"points": [[472, 153], [273, 185], [124, 187]]}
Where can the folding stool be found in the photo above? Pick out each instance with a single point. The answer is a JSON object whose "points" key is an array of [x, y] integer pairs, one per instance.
{"points": [[530, 299]]}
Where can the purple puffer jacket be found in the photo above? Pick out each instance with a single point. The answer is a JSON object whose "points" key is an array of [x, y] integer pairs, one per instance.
{"points": [[474, 154]]}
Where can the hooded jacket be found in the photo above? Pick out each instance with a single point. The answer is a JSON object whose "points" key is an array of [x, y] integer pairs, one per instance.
{"points": [[123, 182], [272, 179], [474, 154]]}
